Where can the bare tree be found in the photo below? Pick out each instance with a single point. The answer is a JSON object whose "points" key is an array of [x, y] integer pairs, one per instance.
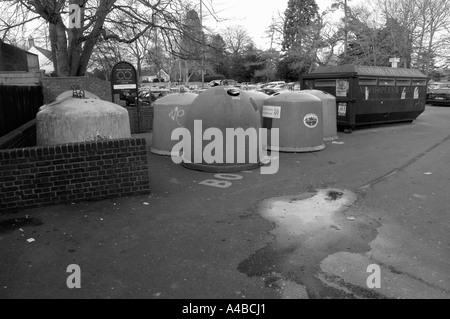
{"points": [[155, 55], [424, 25], [269, 70], [72, 48], [125, 28], [105, 55], [236, 39], [13, 20], [275, 30]]}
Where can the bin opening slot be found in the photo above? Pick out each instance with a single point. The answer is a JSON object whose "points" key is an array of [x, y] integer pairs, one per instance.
{"points": [[419, 82], [368, 81], [325, 83], [387, 82], [403, 82]]}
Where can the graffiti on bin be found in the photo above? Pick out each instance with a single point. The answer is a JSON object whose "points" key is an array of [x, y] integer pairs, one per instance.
{"points": [[175, 114]]}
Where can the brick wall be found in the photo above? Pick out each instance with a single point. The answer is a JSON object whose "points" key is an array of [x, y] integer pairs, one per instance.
{"points": [[40, 176], [146, 119], [52, 87]]}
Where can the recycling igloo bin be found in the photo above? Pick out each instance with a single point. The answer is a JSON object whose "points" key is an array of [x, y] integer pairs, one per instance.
{"points": [[71, 120], [258, 98], [169, 113], [329, 113], [212, 116], [299, 120]]}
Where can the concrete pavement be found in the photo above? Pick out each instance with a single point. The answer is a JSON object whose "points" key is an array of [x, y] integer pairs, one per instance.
{"points": [[309, 231]]}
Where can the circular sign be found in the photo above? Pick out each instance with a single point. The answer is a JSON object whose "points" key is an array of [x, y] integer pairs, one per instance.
{"points": [[124, 75], [311, 120]]}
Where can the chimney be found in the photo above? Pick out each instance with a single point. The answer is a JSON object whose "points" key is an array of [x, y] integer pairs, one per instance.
{"points": [[30, 42]]}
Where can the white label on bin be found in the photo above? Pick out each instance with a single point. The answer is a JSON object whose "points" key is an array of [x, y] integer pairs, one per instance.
{"points": [[272, 111], [311, 120], [342, 87], [124, 86], [342, 109]]}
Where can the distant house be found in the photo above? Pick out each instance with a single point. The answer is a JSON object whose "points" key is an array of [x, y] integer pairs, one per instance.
{"points": [[145, 76], [45, 56], [148, 76], [15, 59]]}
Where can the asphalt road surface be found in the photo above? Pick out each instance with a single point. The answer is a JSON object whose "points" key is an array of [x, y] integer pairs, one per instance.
{"points": [[366, 218]]}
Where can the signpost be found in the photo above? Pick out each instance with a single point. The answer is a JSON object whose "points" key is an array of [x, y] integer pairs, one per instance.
{"points": [[124, 78]]}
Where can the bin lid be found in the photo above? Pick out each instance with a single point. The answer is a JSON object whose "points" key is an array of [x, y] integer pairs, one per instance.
{"points": [[291, 97], [320, 94], [366, 70], [176, 99]]}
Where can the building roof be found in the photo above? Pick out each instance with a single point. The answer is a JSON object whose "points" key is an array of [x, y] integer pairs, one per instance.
{"points": [[46, 53], [369, 70], [151, 74], [13, 58]]}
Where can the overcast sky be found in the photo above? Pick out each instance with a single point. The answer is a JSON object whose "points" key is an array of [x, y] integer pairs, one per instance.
{"points": [[254, 15]]}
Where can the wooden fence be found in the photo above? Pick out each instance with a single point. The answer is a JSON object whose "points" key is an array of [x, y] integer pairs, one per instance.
{"points": [[18, 105]]}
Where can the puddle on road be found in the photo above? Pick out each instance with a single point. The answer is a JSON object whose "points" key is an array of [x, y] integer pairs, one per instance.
{"points": [[9, 225], [309, 228]]}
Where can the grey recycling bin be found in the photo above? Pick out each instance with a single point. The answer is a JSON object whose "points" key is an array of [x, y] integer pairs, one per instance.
{"points": [[299, 119], [329, 113], [169, 113]]}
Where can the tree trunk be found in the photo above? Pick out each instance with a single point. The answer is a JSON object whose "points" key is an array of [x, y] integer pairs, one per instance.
{"points": [[62, 56], [79, 58], [75, 51], [138, 58], [53, 43], [430, 49], [421, 37]]}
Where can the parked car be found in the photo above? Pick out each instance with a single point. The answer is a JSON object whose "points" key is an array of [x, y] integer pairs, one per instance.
{"points": [[214, 83], [223, 82], [249, 87], [244, 85], [147, 95], [294, 86], [272, 89], [439, 93], [130, 98], [123, 95], [275, 83], [229, 82], [272, 84]]}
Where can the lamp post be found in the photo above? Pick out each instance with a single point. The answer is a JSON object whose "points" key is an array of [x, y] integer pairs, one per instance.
{"points": [[345, 28], [202, 53]]}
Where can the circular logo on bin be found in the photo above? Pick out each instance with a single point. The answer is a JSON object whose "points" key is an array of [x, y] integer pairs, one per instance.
{"points": [[311, 120]]}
